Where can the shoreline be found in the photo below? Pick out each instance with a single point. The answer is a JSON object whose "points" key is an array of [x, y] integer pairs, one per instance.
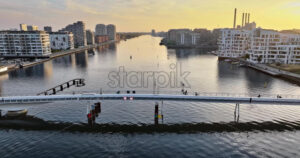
{"points": [[13, 67], [277, 73]]}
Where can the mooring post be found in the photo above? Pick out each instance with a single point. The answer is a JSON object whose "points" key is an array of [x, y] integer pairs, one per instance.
{"points": [[89, 116], [54, 91], [161, 111], [97, 108], [61, 87], [156, 114], [237, 112], [68, 84]]}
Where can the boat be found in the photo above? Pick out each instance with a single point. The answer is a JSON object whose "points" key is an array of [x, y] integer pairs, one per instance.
{"points": [[235, 63], [3, 69], [16, 113], [228, 60], [21, 65], [242, 65]]}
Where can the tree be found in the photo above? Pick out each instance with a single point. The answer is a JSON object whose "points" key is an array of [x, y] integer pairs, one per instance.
{"points": [[278, 63], [259, 58], [247, 56]]}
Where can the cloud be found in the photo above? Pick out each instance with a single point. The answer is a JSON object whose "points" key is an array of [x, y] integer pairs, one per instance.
{"points": [[292, 7]]}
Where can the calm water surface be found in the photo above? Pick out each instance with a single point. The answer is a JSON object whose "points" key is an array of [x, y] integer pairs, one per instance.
{"points": [[207, 74]]}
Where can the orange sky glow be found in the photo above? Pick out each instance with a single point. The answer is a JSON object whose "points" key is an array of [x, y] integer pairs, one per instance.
{"points": [[144, 15]]}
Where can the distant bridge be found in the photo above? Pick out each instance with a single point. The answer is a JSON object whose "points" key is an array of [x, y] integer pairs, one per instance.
{"points": [[155, 97]]}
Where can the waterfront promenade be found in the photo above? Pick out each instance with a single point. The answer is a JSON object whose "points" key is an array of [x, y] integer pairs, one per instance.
{"points": [[14, 66], [268, 69], [273, 71]]}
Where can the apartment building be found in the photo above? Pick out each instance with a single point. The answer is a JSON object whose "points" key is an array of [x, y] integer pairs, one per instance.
{"points": [[32, 28], [183, 37], [24, 44], [269, 46], [48, 29], [262, 46], [90, 37], [233, 43], [111, 31], [78, 30], [61, 40], [23, 27], [100, 29]]}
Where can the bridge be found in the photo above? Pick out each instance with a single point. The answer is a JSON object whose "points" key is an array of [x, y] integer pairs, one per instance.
{"points": [[154, 97]]}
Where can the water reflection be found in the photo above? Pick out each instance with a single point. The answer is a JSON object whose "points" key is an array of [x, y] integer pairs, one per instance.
{"points": [[187, 53], [37, 71], [229, 74], [91, 52], [207, 73], [258, 80], [82, 59], [110, 49]]}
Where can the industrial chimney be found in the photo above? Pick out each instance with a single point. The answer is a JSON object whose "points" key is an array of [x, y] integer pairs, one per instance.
{"points": [[234, 21], [248, 17], [243, 19]]}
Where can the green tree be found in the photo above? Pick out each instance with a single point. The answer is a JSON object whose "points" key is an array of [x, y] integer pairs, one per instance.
{"points": [[247, 56], [259, 58]]}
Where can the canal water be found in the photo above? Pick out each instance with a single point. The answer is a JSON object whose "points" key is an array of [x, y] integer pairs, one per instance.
{"points": [[127, 65]]}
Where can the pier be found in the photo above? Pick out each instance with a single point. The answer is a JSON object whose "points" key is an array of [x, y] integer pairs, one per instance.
{"points": [[52, 91]]}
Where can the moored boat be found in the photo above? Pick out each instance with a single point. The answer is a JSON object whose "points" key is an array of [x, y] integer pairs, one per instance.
{"points": [[16, 113], [3, 69], [235, 63]]}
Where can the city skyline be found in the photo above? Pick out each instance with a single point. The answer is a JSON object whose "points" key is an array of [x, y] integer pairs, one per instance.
{"points": [[149, 14]]}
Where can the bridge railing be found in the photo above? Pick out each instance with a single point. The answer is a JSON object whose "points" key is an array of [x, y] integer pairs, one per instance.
{"points": [[192, 93]]}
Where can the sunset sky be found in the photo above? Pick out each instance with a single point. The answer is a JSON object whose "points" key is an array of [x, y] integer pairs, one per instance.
{"points": [[143, 15]]}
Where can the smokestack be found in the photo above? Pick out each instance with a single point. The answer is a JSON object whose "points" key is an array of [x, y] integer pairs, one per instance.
{"points": [[234, 21], [243, 19], [248, 17]]}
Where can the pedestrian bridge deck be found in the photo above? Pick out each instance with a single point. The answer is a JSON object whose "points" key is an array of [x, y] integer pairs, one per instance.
{"points": [[165, 97]]}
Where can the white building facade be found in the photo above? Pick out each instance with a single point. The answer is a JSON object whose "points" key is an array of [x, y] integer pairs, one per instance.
{"points": [[262, 46], [268, 46], [61, 40], [24, 44], [233, 43]]}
